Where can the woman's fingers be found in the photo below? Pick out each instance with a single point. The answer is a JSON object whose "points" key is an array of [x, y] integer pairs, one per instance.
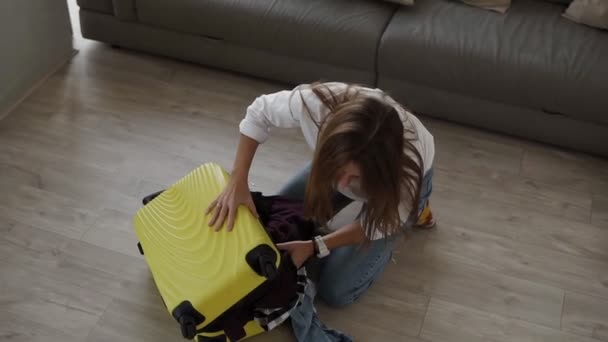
{"points": [[286, 246], [299, 251], [216, 213], [221, 217], [225, 207], [231, 216], [210, 207], [216, 207], [252, 208]]}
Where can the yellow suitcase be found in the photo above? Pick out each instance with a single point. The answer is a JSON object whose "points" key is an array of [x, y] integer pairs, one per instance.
{"points": [[199, 273]]}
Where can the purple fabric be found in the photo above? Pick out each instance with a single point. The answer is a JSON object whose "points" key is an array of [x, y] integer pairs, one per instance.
{"points": [[283, 218]]}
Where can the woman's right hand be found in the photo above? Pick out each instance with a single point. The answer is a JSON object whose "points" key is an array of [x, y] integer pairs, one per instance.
{"points": [[227, 203]]}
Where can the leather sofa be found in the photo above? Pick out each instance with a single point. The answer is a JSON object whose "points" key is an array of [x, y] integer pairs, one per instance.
{"points": [[529, 73]]}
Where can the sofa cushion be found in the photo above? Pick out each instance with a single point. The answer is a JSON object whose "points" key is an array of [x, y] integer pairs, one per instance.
{"points": [[589, 12], [531, 56], [102, 6], [344, 32], [125, 10]]}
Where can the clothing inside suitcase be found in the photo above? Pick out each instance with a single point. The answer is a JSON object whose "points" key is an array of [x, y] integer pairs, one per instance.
{"points": [[269, 304], [284, 221]]}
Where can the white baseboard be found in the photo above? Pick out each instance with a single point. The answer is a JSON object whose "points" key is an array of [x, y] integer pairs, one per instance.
{"points": [[37, 84]]}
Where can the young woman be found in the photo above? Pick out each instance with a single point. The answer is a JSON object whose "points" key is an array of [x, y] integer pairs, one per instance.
{"points": [[367, 148]]}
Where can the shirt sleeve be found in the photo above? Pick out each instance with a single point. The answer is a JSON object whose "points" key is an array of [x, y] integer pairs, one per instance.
{"points": [[280, 109], [285, 109]]}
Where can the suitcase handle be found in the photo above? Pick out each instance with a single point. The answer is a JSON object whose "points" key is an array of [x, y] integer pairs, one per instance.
{"points": [[150, 197]]}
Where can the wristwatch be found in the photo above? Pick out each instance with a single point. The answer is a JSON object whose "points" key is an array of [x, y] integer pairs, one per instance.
{"points": [[320, 247]]}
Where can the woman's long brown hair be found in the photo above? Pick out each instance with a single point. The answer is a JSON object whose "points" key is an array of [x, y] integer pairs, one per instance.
{"points": [[369, 132]]}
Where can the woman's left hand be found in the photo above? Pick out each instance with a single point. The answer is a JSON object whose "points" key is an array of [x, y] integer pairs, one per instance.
{"points": [[300, 251]]}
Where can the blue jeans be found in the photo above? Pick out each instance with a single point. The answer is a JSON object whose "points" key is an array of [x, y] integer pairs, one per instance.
{"points": [[348, 271]]}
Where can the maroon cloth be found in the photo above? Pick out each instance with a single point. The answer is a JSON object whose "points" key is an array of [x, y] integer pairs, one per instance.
{"points": [[283, 218]]}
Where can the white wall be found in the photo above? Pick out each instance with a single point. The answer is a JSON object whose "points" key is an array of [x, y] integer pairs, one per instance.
{"points": [[35, 38]]}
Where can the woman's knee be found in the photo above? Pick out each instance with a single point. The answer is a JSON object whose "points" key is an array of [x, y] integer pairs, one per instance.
{"points": [[350, 274], [335, 295], [340, 290]]}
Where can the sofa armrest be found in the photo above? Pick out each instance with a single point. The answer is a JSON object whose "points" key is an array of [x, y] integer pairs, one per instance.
{"points": [[125, 10]]}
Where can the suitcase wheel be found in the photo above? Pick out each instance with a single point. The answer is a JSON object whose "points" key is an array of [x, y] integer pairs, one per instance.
{"points": [[262, 259], [188, 327], [188, 319], [141, 249], [269, 270]]}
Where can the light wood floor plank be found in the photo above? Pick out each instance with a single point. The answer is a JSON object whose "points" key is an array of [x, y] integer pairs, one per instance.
{"points": [[471, 150], [521, 224], [18, 329], [599, 215], [435, 275], [71, 309], [586, 316], [132, 321], [566, 169], [446, 321], [48, 211], [385, 299], [542, 197], [521, 260], [113, 230]]}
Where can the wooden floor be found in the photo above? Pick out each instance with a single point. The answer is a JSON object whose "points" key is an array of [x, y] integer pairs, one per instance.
{"points": [[520, 252]]}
